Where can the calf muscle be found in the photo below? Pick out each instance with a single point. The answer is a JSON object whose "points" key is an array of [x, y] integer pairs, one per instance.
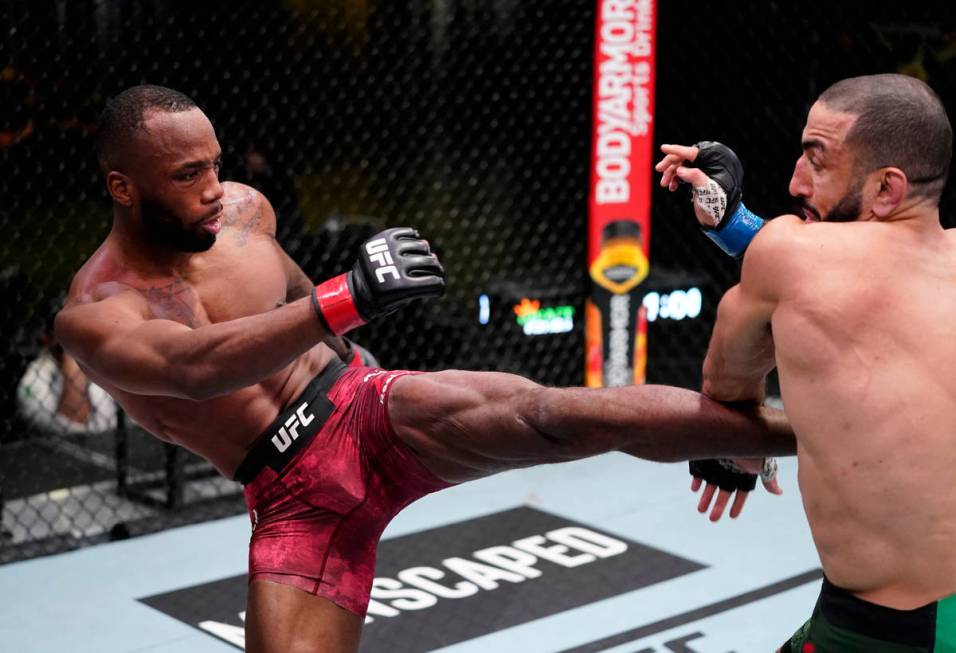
{"points": [[658, 423]]}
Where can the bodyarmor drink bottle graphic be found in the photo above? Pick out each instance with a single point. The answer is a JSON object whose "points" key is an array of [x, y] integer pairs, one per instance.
{"points": [[616, 337], [619, 197]]}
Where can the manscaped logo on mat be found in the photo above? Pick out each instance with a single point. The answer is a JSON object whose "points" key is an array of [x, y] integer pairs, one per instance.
{"points": [[449, 584]]}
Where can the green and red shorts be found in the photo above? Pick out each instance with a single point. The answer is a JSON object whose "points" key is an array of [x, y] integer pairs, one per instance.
{"points": [[844, 623]]}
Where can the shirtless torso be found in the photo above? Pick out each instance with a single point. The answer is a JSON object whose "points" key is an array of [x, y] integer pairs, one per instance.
{"points": [[247, 256], [866, 373], [854, 305]]}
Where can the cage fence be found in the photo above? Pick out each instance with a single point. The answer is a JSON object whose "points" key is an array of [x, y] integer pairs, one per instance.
{"points": [[467, 120]]}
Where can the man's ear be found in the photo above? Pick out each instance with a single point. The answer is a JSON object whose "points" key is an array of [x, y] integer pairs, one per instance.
{"points": [[119, 187], [893, 186]]}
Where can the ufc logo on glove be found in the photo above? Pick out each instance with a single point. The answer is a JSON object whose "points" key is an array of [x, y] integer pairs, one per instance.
{"points": [[379, 255], [404, 269]]}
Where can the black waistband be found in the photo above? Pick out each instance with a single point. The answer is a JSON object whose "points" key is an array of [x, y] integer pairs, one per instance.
{"points": [[908, 627], [294, 427]]}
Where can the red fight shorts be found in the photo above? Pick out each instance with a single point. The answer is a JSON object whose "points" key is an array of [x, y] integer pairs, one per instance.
{"points": [[323, 483]]}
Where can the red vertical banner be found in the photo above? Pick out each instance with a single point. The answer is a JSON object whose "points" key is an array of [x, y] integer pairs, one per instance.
{"points": [[619, 220]]}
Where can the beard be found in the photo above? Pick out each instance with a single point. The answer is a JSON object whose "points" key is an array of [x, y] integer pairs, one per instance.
{"points": [[164, 227], [847, 209]]}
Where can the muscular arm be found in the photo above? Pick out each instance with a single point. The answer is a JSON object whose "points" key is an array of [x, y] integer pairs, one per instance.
{"points": [[74, 403], [117, 342], [120, 343], [299, 286], [741, 351]]}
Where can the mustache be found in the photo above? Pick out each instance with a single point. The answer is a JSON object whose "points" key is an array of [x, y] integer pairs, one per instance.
{"points": [[217, 208], [802, 205]]}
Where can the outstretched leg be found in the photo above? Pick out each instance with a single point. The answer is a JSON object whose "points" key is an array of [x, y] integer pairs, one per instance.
{"points": [[465, 425]]}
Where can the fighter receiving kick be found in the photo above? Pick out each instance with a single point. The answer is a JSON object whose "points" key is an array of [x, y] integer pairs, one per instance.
{"points": [[854, 305]]}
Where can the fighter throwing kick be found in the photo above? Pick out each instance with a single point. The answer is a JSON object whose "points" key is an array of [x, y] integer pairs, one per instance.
{"points": [[193, 318]]}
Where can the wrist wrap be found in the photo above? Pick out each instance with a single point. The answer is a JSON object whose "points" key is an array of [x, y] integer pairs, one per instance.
{"points": [[734, 234], [335, 305]]}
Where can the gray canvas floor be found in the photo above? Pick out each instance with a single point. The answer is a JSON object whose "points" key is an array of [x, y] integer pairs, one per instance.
{"points": [[682, 585]]}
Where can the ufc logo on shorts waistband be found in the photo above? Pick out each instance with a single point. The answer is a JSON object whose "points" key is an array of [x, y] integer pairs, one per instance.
{"points": [[380, 256], [290, 430]]}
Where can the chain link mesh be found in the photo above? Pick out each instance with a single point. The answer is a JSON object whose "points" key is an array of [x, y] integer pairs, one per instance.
{"points": [[468, 120]]}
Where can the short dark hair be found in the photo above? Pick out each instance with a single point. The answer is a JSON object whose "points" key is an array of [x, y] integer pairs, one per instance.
{"points": [[125, 115], [900, 122]]}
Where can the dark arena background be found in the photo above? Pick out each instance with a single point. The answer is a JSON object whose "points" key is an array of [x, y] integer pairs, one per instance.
{"points": [[467, 119]]}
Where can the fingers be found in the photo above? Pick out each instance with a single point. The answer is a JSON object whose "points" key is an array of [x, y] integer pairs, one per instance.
{"points": [[408, 245], [684, 152], [668, 167], [720, 504], [693, 176], [675, 156], [738, 505], [676, 173], [418, 265], [773, 487], [706, 497], [721, 498], [399, 233]]}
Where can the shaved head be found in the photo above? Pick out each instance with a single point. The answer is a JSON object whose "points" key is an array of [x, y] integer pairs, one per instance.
{"points": [[900, 122], [124, 118]]}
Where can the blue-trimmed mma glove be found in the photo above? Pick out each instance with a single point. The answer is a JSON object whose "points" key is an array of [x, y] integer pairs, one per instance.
{"points": [[358, 356], [393, 267], [727, 475], [734, 225]]}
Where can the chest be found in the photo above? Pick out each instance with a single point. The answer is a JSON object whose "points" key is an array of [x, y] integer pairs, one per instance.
{"points": [[227, 283]]}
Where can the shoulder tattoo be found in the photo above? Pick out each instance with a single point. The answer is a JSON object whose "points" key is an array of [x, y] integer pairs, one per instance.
{"points": [[172, 302], [244, 214]]}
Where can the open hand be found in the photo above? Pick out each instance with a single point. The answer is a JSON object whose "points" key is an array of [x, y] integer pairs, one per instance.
{"points": [[766, 468]]}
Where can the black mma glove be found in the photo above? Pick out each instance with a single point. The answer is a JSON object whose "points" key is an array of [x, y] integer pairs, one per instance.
{"points": [[394, 267], [724, 474], [727, 475], [734, 225], [722, 197]]}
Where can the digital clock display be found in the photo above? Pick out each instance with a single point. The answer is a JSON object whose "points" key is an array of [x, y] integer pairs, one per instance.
{"points": [[675, 305]]}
